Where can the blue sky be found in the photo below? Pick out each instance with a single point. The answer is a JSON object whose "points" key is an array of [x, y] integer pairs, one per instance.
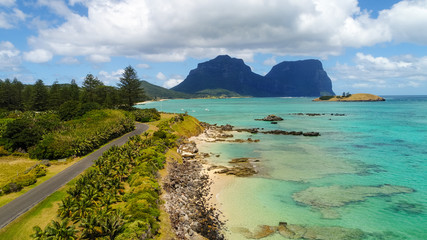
{"points": [[365, 46]]}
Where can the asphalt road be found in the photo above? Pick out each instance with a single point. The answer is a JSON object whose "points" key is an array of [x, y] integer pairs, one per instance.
{"points": [[25, 202]]}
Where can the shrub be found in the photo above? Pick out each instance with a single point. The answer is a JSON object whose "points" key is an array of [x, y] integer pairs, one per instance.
{"points": [[11, 187], [3, 152], [83, 135], [69, 110], [146, 115], [21, 133], [26, 179], [39, 170], [326, 97]]}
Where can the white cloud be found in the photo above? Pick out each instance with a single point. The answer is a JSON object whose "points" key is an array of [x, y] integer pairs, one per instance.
{"points": [[407, 20], [143, 65], [69, 60], [173, 30], [96, 58], [270, 61], [382, 72], [110, 78], [9, 19], [38, 56], [172, 82], [59, 7], [10, 57], [7, 3], [161, 76]]}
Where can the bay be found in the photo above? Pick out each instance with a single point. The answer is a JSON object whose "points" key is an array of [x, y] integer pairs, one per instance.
{"points": [[363, 147]]}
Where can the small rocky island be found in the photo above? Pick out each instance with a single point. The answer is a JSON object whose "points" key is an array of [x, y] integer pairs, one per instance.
{"points": [[357, 97]]}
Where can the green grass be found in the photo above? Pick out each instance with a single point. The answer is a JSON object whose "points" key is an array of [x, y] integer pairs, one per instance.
{"points": [[189, 127], [54, 169], [41, 215], [11, 166]]}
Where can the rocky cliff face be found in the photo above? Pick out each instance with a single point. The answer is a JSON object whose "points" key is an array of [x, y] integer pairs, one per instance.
{"points": [[223, 72], [301, 78]]}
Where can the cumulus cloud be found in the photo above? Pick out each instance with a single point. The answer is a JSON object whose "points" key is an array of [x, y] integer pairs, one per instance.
{"points": [[173, 30], [382, 72], [172, 82], [406, 20], [7, 3], [143, 65], [270, 61], [97, 58], [38, 56], [161, 76], [110, 78], [69, 60], [10, 18], [10, 57]]}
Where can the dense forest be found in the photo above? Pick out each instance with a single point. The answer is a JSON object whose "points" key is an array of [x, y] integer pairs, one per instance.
{"points": [[93, 94], [62, 120]]}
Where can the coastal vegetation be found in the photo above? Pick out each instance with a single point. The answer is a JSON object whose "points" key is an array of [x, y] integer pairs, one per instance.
{"points": [[119, 197]]}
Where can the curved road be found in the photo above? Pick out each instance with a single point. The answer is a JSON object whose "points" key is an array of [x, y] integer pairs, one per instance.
{"points": [[25, 202]]}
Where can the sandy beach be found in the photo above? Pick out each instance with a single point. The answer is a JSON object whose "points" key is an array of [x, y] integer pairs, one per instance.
{"points": [[150, 101]]}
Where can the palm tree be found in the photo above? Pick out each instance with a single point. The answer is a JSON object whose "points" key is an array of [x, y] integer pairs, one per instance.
{"points": [[39, 233], [61, 231], [67, 207], [91, 228], [113, 224]]}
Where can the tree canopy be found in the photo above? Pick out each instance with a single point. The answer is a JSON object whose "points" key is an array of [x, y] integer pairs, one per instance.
{"points": [[130, 87]]}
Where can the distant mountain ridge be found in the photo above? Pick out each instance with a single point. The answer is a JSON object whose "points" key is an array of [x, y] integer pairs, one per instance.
{"points": [[286, 79]]}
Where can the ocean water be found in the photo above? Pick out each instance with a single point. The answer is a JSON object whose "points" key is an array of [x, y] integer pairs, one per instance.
{"points": [[367, 170]]}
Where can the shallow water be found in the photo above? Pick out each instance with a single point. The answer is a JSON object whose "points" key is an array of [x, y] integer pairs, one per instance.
{"points": [[375, 143]]}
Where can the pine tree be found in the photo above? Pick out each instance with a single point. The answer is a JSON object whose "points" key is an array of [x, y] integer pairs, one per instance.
{"points": [[55, 96], [130, 87], [91, 89], [39, 96]]}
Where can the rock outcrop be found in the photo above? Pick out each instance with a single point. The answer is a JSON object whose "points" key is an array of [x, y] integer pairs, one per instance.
{"points": [[271, 118]]}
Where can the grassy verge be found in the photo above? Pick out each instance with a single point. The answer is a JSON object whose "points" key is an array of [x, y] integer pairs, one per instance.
{"points": [[11, 166], [22, 227], [189, 127], [54, 169]]}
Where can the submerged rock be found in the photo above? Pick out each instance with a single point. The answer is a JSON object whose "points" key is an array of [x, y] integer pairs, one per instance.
{"points": [[296, 231], [338, 196]]}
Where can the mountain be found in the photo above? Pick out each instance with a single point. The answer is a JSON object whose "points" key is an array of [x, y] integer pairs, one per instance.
{"points": [[300, 78], [153, 91], [223, 72]]}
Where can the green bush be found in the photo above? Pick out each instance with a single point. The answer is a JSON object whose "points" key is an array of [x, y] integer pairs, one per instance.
{"points": [[26, 179], [39, 170], [11, 187], [21, 134], [69, 110], [83, 135], [3, 152], [326, 97], [146, 115]]}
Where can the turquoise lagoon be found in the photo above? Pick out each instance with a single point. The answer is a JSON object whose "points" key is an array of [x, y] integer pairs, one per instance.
{"points": [[373, 144]]}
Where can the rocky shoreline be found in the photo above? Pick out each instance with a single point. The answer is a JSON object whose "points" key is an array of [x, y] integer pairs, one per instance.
{"points": [[187, 197]]}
